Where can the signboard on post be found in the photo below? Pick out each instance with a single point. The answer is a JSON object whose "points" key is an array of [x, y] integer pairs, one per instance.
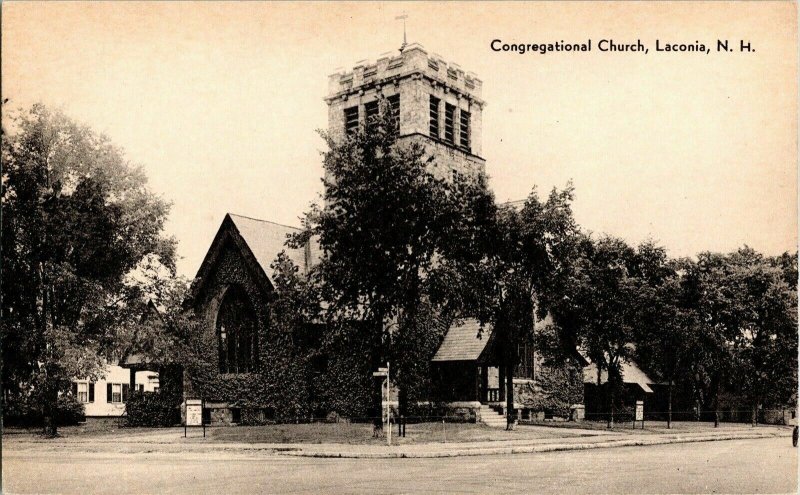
{"points": [[194, 415], [639, 413]]}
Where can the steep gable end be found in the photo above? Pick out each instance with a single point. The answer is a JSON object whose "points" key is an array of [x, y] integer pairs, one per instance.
{"points": [[266, 240], [259, 242]]}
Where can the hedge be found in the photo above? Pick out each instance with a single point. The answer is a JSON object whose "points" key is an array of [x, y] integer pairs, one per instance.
{"points": [[25, 411], [152, 409]]}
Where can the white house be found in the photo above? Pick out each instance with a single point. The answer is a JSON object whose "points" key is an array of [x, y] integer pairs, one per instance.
{"points": [[107, 397]]}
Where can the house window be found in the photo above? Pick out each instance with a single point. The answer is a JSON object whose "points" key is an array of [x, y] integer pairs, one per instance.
{"points": [[449, 123], [434, 121], [464, 130], [117, 392], [83, 392], [351, 119], [236, 333], [319, 363]]}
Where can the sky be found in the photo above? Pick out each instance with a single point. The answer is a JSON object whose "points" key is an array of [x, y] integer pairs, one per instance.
{"points": [[221, 103]]}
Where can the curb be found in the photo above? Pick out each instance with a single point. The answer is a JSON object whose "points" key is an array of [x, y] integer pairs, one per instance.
{"points": [[530, 449]]}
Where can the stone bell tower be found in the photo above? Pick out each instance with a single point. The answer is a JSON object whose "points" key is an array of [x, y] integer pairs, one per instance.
{"points": [[439, 105]]}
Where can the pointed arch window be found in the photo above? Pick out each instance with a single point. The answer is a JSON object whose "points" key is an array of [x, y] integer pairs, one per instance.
{"points": [[236, 333]]}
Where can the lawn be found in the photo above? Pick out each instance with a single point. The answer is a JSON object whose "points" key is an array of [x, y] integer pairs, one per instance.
{"points": [[92, 428], [110, 430], [311, 433], [655, 427], [361, 433]]}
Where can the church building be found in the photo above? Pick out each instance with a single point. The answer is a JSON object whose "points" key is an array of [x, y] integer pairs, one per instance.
{"points": [[439, 105]]}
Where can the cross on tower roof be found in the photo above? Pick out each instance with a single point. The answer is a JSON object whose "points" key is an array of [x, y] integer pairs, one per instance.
{"points": [[404, 16]]}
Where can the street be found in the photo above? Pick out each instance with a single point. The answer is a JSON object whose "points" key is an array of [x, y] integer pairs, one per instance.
{"points": [[740, 466]]}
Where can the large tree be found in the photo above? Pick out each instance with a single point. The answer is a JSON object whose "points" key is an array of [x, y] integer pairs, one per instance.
{"points": [[386, 224], [746, 307], [78, 220], [755, 309], [598, 303], [523, 250], [666, 335]]}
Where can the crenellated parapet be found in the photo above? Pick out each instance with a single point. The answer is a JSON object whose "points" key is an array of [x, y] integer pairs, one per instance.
{"points": [[438, 105], [392, 67]]}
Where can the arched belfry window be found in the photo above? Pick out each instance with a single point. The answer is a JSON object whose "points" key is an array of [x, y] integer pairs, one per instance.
{"points": [[236, 333]]}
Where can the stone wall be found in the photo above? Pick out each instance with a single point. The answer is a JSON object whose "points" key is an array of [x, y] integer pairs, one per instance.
{"points": [[449, 159]]}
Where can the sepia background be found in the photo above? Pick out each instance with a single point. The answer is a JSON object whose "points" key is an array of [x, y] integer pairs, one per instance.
{"points": [[220, 103]]}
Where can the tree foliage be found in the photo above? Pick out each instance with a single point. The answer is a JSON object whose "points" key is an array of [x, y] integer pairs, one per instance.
{"points": [[78, 220], [747, 305], [522, 252], [386, 222]]}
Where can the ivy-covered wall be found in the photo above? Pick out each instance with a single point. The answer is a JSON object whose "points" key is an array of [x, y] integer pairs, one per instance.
{"points": [[344, 381], [301, 373], [414, 347], [204, 379], [554, 389], [308, 371]]}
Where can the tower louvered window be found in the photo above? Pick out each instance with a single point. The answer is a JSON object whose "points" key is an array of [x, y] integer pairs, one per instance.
{"points": [[449, 123], [434, 113], [464, 130], [371, 111], [394, 108], [351, 119]]}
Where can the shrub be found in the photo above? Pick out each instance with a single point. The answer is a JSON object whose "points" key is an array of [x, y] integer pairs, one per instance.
{"points": [[69, 411], [24, 410], [152, 409], [257, 416]]}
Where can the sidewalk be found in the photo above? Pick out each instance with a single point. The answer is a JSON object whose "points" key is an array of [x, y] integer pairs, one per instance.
{"points": [[171, 441], [588, 439]]}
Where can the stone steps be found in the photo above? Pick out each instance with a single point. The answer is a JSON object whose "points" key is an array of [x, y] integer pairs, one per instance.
{"points": [[492, 418]]}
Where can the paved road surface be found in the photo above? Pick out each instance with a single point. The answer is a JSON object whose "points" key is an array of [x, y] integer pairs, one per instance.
{"points": [[742, 466]]}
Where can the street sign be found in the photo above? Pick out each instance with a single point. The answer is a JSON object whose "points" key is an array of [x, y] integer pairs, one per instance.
{"points": [[384, 372]]}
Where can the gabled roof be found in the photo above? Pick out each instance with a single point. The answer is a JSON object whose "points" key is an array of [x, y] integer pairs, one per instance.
{"points": [[260, 242], [462, 342], [267, 239], [630, 371]]}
